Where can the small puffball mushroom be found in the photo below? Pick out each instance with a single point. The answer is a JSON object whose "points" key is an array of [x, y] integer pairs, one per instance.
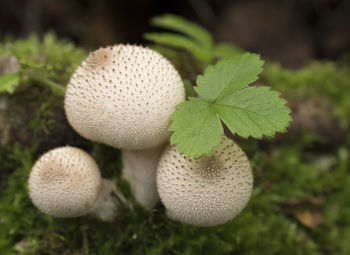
{"points": [[205, 192], [123, 96], [66, 182]]}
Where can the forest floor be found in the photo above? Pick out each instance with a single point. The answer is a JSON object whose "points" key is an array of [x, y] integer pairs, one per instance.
{"points": [[300, 201]]}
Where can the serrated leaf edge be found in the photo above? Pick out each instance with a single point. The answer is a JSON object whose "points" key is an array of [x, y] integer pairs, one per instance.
{"points": [[288, 115], [223, 62]]}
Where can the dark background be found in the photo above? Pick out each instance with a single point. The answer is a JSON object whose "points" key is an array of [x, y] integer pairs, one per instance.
{"points": [[289, 31]]}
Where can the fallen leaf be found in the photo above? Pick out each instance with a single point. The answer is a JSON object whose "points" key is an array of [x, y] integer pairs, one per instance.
{"points": [[310, 219]]}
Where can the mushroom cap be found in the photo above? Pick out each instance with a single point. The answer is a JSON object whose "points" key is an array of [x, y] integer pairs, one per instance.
{"points": [[205, 192], [64, 182], [123, 96]]}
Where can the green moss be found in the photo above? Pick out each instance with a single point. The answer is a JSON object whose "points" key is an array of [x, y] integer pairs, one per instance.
{"points": [[54, 59], [322, 79], [37, 103], [264, 227]]}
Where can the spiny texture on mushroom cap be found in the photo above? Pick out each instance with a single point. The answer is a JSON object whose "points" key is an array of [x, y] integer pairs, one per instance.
{"points": [[64, 182], [123, 96], [205, 192]]}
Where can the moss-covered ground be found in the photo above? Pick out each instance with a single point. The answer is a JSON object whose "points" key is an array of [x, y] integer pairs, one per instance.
{"points": [[300, 202]]}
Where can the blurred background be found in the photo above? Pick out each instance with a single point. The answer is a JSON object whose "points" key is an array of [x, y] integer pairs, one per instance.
{"points": [[288, 31]]}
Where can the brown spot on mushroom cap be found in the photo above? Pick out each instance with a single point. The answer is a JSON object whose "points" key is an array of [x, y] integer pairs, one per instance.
{"points": [[64, 182], [99, 59], [205, 192], [123, 96]]}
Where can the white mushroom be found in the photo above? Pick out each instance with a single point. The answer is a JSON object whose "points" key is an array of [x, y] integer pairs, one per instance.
{"points": [[66, 182], [205, 192], [123, 96]]}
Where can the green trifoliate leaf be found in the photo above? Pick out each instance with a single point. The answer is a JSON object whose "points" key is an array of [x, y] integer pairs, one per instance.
{"points": [[254, 111], [9, 81], [197, 128], [191, 29], [228, 76], [225, 96]]}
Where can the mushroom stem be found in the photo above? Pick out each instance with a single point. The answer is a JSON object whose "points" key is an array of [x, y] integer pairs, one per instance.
{"points": [[105, 207], [139, 169]]}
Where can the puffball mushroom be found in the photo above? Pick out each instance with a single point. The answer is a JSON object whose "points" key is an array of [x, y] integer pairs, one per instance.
{"points": [[123, 96], [205, 192], [66, 182]]}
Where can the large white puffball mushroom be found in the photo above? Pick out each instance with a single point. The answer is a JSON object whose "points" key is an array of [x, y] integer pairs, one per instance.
{"points": [[123, 96], [205, 192], [66, 182]]}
